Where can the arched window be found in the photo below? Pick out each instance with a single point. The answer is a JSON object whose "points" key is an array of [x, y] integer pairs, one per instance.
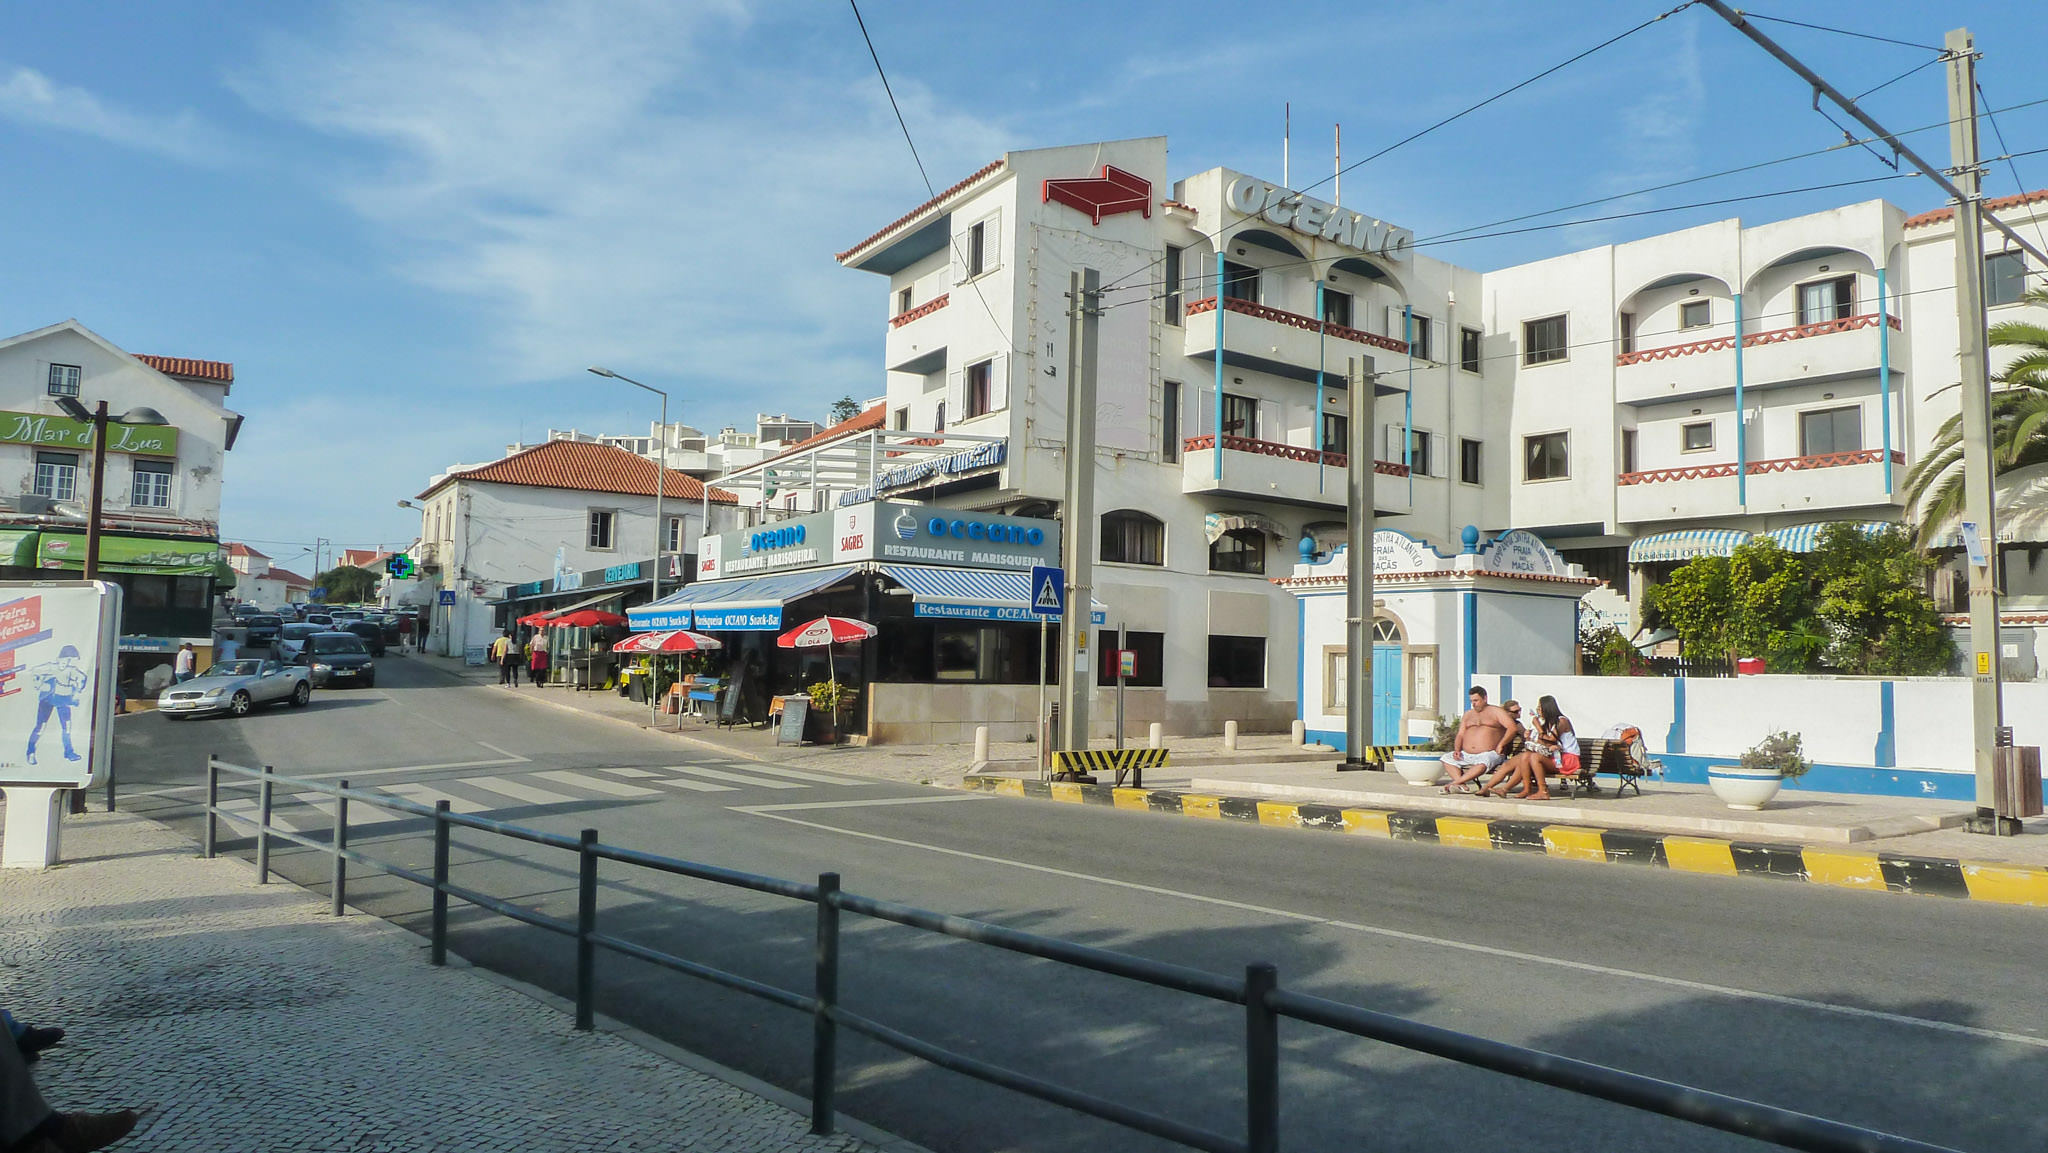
{"points": [[1385, 632], [1131, 537], [1239, 550]]}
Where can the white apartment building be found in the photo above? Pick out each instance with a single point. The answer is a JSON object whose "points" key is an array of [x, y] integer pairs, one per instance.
{"points": [[1632, 405], [693, 451], [263, 584]]}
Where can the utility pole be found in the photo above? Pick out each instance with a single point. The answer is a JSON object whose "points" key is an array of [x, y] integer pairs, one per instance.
{"points": [[1077, 514], [1358, 734]]}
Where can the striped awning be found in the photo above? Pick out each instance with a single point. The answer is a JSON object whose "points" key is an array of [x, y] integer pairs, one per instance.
{"points": [[1685, 544], [1803, 537], [744, 604], [972, 594]]}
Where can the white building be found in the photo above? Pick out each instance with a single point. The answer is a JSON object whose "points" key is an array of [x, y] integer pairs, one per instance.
{"points": [[692, 451], [260, 583]]}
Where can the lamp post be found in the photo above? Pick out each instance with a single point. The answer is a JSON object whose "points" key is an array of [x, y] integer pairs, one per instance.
{"points": [[99, 420], [660, 481]]}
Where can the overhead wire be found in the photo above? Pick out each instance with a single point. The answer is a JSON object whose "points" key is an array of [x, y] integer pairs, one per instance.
{"points": [[1747, 15], [2019, 186]]}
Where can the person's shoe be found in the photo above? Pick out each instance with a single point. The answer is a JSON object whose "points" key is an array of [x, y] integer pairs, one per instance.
{"points": [[31, 756], [34, 1040], [84, 1132], [69, 755]]}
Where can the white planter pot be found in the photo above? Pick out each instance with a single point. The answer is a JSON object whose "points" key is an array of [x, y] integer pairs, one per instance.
{"points": [[1420, 769], [1742, 788]]}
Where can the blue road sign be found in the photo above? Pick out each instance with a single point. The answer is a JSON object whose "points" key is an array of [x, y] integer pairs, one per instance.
{"points": [[447, 596], [1048, 590], [319, 592]]}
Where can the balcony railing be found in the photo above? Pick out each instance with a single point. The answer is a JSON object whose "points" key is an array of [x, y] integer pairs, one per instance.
{"points": [[1296, 320], [1752, 340], [1759, 467], [1288, 452], [922, 310]]}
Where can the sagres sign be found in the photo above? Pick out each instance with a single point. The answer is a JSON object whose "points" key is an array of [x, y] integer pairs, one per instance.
{"points": [[63, 432]]}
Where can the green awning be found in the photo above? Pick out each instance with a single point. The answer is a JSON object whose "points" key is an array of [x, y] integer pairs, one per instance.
{"points": [[186, 556], [18, 547]]}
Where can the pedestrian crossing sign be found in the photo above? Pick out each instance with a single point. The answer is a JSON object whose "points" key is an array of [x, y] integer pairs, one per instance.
{"points": [[1048, 590]]}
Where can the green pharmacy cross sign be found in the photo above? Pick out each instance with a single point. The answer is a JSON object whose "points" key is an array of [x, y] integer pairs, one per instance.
{"points": [[400, 566], [62, 432]]}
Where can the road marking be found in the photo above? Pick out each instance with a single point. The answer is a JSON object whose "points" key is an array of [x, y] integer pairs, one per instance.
{"points": [[428, 795], [506, 758], [694, 786], [597, 784], [802, 775], [1447, 943], [251, 811], [517, 791], [634, 773], [360, 813], [857, 804], [740, 778]]}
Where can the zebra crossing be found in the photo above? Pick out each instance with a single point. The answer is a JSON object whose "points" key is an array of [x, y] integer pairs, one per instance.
{"points": [[486, 794]]}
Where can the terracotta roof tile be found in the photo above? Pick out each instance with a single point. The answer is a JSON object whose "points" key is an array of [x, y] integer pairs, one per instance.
{"points": [[288, 577], [587, 467], [1999, 204], [214, 370], [870, 419], [920, 210], [235, 549]]}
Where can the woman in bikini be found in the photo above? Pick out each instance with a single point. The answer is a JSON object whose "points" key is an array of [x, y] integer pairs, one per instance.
{"points": [[1553, 748]]}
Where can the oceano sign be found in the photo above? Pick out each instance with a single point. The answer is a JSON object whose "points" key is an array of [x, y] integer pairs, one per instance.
{"points": [[63, 432], [1311, 217]]}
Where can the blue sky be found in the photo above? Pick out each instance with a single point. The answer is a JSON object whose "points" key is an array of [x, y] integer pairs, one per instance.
{"points": [[411, 226]]}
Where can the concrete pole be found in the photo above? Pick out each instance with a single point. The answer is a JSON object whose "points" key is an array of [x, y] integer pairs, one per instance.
{"points": [[1980, 511], [1358, 736], [1077, 517]]}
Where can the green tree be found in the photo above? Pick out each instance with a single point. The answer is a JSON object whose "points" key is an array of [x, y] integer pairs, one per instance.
{"points": [[844, 409], [347, 585], [2019, 426], [1872, 597]]}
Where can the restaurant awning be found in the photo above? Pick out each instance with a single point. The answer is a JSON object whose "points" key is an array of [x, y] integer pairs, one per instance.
{"points": [[972, 594], [750, 604], [18, 547], [1803, 537], [160, 556], [1685, 544]]}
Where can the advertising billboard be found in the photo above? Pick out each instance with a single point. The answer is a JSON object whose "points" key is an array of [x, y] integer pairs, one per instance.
{"points": [[57, 672]]}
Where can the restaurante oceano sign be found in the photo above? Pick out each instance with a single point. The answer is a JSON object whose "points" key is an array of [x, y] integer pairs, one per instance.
{"points": [[62, 432]]}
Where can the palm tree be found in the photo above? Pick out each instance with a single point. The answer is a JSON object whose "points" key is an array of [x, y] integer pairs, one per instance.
{"points": [[2019, 426]]}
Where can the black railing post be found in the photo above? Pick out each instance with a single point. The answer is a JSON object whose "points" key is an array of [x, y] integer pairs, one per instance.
{"points": [[263, 828], [1261, 1060], [586, 928], [112, 758], [825, 1031], [340, 842], [438, 954], [212, 805]]}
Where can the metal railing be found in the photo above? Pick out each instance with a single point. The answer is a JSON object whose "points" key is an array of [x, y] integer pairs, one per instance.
{"points": [[1265, 1003]]}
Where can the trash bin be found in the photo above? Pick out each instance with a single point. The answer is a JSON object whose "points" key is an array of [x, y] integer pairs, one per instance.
{"points": [[1748, 667], [2016, 781]]}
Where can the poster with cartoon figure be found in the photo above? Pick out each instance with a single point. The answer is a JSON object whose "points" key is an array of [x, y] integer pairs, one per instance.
{"points": [[57, 671]]}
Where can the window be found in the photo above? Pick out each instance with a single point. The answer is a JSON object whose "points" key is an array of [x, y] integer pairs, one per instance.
{"points": [[902, 419], [1468, 349], [1149, 659], [1695, 314], [1831, 430], [1825, 300], [1545, 457], [1237, 662], [980, 389], [600, 528], [902, 300], [1239, 550], [1336, 681], [1628, 333], [1336, 433], [57, 475], [1240, 416], [152, 488], [1130, 537], [1411, 449], [1544, 341], [1697, 437], [1468, 461], [672, 540], [1628, 450], [1337, 308], [64, 380], [1173, 284], [1240, 281], [1169, 421], [2005, 281], [1418, 337], [977, 249], [939, 418]]}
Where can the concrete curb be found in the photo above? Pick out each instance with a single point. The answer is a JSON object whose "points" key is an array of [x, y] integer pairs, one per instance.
{"points": [[1843, 868]]}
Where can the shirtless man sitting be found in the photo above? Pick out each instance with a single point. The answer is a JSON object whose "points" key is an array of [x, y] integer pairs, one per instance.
{"points": [[1480, 744]]}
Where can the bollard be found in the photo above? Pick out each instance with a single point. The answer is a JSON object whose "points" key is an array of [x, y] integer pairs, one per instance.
{"points": [[981, 742], [263, 828], [212, 805], [825, 1030], [1298, 734], [438, 948], [340, 838], [1155, 737], [586, 929], [1230, 736]]}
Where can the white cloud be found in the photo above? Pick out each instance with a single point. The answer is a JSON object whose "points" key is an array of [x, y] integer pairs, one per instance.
{"points": [[29, 97]]}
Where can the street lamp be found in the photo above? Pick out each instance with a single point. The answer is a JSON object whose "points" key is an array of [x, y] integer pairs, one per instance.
{"points": [[99, 420], [660, 481]]}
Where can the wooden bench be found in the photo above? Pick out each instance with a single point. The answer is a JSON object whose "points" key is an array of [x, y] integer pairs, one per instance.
{"points": [[1598, 755]]}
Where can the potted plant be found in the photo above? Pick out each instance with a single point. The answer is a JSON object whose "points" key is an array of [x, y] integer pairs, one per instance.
{"points": [[830, 701], [1422, 764], [1763, 770]]}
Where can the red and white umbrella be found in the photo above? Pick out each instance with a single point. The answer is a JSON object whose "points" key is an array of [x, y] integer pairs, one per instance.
{"points": [[826, 631], [671, 641], [583, 619]]}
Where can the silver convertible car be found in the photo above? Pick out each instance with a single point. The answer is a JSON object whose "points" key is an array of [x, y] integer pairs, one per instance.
{"points": [[236, 687]]}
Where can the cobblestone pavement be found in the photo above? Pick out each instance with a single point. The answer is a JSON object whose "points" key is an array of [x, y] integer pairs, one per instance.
{"points": [[241, 1017]]}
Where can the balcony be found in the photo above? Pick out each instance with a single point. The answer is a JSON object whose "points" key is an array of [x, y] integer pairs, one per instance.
{"points": [[914, 347], [1838, 480], [1283, 343], [1264, 470], [1802, 354]]}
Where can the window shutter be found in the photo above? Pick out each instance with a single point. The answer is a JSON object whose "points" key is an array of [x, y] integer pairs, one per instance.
{"points": [[1392, 440], [998, 382], [992, 240], [956, 394], [960, 251]]}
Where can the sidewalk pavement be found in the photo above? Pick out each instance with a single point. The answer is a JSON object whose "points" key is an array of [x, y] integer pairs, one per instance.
{"points": [[242, 1017]]}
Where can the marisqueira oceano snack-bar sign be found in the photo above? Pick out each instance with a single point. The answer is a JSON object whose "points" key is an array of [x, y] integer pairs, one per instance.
{"points": [[62, 432]]}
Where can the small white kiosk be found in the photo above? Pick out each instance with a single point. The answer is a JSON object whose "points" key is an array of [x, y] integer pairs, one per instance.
{"points": [[1510, 606], [57, 661]]}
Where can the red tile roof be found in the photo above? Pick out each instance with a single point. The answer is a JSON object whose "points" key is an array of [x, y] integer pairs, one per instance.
{"points": [[214, 370], [587, 467], [920, 210], [245, 550], [1943, 215], [289, 577], [362, 557], [872, 418]]}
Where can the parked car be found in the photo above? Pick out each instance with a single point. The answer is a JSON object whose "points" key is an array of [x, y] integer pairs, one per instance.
{"points": [[292, 638], [338, 658], [371, 632], [245, 609], [236, 687], [318, 618], [263, 628], [343, 615]]}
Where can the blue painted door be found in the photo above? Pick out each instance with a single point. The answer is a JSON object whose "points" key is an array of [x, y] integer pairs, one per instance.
{"points": [[1386, 695]]}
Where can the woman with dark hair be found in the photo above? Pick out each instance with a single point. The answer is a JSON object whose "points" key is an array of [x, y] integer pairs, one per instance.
{"points": [[1553, 748]]}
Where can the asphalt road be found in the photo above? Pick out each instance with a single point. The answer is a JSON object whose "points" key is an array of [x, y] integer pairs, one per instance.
{"points": [[1914, 1015]]}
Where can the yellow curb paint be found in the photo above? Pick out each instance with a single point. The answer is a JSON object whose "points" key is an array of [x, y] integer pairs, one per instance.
{"points": [[1196, 805], [1464, 832], [1066, 791], [1372, 822], [1846, 870], [2007, 884], [1010, 788], [1574, 843], [1131, 799], [1700, 855], [1279, 813]]}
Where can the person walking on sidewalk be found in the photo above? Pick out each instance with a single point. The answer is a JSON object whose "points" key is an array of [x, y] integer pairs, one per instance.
{"points": [[537, 664], [186, 664], [505, 655], [29, 1125]]}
